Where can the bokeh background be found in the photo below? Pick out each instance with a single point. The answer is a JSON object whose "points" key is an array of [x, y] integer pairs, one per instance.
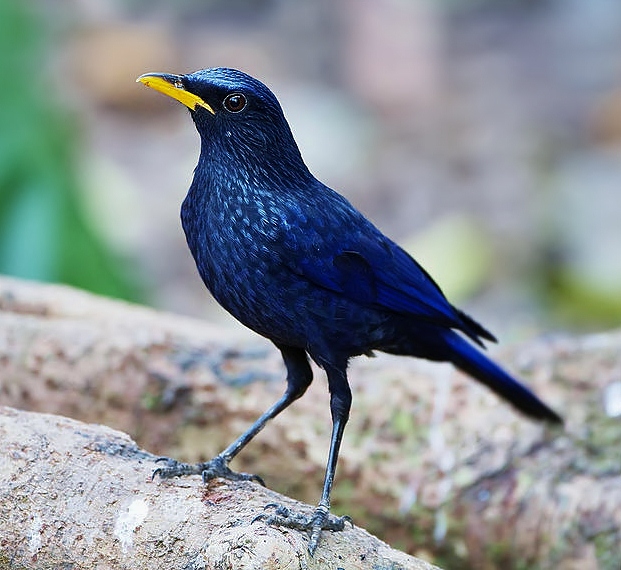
{"points": [[485, 136]]}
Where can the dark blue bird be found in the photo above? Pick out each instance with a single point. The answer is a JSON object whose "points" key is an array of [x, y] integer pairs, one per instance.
{"points": [[294, 261]]}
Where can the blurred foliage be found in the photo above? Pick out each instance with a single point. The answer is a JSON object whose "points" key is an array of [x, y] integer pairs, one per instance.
{"points": [[457, 253], [574, 300], [576, 276], [44, 233]]}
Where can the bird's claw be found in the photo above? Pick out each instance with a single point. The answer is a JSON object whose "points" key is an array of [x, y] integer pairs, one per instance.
{"points": [[218, 467], [174, 468], [313, 524], [213, 469]]}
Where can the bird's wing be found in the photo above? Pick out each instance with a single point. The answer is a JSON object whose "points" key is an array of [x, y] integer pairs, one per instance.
{"points": [[374, 271], [338, 249], [377, 273]]}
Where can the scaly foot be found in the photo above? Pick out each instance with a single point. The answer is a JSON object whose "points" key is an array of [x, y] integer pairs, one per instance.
{"points": [[320, 520], [217, 467]]}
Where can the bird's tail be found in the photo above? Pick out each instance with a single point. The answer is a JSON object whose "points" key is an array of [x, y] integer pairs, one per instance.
{"points": [[467, 358]]}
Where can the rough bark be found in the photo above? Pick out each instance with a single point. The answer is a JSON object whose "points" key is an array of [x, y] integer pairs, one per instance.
{"points": [[431, 462], [77, 495]]}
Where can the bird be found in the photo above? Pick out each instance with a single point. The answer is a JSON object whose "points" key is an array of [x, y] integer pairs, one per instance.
{"points": [[297, 263]]}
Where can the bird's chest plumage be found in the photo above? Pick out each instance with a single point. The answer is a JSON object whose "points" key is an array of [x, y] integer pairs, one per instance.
{"points": [[254, 250], [239, 242]]}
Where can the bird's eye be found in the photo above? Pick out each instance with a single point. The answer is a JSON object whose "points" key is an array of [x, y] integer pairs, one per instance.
{"points": [[235, 102]]}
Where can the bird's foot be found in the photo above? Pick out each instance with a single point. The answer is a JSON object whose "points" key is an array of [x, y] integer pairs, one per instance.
{"points": [[217, 467], [320, 520]]}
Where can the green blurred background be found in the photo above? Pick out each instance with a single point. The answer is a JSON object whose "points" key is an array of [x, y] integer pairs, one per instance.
{"points": [[485, 136]]}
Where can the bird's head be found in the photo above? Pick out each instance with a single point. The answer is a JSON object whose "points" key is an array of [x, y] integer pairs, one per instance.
{"points": [[239, 119]]}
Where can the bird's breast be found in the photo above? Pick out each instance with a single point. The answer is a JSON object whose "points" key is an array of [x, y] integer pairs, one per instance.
{"points": [[250, 252], [236, 244]]}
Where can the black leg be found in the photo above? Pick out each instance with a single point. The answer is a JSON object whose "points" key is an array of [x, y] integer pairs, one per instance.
{"points": [[340, 404], [299, 377]]}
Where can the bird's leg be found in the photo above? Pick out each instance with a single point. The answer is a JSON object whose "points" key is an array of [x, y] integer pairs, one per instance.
{"points": [[299, 377], [340, 404]]}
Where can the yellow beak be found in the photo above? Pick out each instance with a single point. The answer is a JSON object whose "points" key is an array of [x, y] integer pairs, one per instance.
{"points": [[172, 86]]}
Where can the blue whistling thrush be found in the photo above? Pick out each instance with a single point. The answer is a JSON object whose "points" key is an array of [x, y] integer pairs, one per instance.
{"points": [[294, 261]]}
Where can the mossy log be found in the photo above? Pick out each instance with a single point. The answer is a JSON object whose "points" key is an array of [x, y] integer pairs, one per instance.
{"points": [[76, 495], [431, 462]]}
